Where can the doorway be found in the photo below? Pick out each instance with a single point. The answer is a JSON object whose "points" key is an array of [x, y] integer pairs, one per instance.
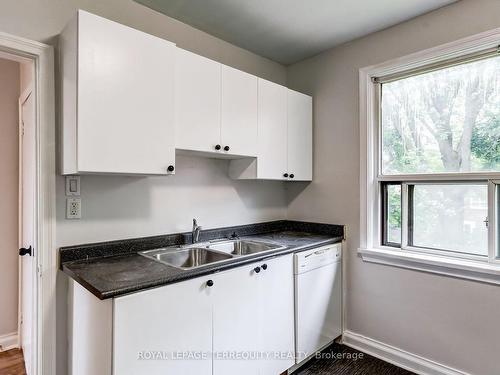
{"points": [[18, 216], [39, 337]]}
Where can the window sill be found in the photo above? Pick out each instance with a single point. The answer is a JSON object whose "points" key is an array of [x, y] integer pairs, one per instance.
{"points": [[465, 269]]}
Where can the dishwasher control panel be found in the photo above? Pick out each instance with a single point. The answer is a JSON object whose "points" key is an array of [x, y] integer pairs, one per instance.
{"points": [[310, 259]]}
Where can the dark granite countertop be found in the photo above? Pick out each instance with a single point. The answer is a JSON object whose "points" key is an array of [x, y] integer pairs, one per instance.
{"points": [[111, 269]]}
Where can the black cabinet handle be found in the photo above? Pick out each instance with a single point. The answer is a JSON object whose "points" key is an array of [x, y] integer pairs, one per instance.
{"points": [[170, 168], [25, 251], [285, 175], [292, 175], [226, 148], [217, 147], [264, 266], [210, 283], [257, 269]]}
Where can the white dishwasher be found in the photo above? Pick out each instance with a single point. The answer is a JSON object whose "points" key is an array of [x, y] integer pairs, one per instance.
{"points": [[318, 299]]}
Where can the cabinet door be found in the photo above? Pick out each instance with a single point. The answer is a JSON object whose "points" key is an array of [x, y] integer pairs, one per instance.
{"points": [[125, 99], [197, 102], [276, 315], [272, 131], [239, 112], [236, 337], [155, 328], [299, 136]]}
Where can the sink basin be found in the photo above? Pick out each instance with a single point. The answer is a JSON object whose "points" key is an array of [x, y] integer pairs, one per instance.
{"points": [[189, 258], [244, 247]]}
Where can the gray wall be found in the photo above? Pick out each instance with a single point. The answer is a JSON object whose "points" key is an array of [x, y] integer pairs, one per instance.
{"points": [[120, 207], [9, 197], [451, 321]]}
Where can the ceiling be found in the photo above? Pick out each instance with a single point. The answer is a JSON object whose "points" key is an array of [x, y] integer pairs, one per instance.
{"points": [[288, 31]]}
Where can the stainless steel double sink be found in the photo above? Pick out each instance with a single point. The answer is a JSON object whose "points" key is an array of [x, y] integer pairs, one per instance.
{"points": [[203, 254]]}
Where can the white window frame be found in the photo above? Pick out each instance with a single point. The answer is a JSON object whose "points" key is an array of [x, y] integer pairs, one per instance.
{"points": [[479, 268]]}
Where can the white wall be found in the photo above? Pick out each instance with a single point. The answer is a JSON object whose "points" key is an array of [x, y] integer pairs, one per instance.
{"points": [[44, 20], [119, 207], [9, 193], [451, 321], [26, 75]]}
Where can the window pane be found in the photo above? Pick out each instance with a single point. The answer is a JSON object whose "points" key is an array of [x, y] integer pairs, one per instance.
{"points": [[393, 214], [450, 217], [443, 121]]}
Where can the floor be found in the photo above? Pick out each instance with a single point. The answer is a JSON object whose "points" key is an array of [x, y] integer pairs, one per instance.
{"points": [[337, 360], [341, 360], [12, 363]]}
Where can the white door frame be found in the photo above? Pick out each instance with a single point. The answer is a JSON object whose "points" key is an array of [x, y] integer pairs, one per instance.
{"points": [[22, 98], [44, 344]]}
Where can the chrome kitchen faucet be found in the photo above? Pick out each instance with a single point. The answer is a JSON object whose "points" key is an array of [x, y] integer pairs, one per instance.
{"points": [[196, 231]]}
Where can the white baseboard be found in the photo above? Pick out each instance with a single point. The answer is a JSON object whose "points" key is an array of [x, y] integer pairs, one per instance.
{"points": [[396, 356], [9, 341]]}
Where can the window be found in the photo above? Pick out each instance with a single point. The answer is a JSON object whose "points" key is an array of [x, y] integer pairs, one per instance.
{"points": [[442, 217], [432, 124], [444, 121], [392, 214], [432, 160]]}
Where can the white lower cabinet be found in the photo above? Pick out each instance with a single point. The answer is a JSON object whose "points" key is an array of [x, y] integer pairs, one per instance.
{"points": [[236, 321], [164, 331], [242, 324], [253, 319], [276, 316]]}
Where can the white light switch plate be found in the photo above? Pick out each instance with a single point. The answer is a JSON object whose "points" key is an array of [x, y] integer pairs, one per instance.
{"points": [[73, 208], [72, 185]]}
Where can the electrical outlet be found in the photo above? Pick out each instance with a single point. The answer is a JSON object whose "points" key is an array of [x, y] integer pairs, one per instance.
{"points": [[73, 208]]}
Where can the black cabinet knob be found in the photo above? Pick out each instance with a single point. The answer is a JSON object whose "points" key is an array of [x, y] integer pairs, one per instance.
{"points": [[25, 251], [285, 175], [226, 148], [210, 283], [257, 269], [170, 168], [292, 175], [217, 147], [264, 266]]}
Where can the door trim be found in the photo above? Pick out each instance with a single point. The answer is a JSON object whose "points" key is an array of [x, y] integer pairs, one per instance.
{"points": [[42, 55], [22, 99]]}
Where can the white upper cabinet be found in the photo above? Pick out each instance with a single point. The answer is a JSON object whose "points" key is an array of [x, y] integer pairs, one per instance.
{"points": [[299, 136], [284, 137], [216, 107], [239, 112], [130, 99], [117, 99], [272, 162], [197, 102]]}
